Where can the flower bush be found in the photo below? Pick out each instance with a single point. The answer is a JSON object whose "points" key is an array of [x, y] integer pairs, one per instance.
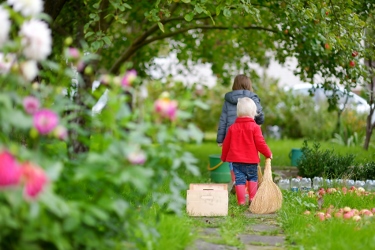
{"points": [[71, 178]]}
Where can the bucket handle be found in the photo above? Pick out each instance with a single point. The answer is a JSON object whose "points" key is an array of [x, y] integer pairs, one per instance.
{"points": [[215, 167]]}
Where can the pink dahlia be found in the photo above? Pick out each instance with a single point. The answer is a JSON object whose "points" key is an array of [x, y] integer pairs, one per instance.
{"points": [[9, 170], [129, 78], [31, 104], [45, 121], [166, 108], [61, 132], [35, 179], [137, 157]]}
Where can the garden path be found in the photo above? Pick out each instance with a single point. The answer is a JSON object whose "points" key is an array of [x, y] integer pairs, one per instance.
{"points": [[265, 234]]}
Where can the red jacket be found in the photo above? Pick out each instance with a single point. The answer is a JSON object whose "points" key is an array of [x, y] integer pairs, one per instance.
{"points": [[243, 141]]}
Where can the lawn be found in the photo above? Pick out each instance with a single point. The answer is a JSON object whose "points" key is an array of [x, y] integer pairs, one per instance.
{"points": [[280, 149], [302, 231]]}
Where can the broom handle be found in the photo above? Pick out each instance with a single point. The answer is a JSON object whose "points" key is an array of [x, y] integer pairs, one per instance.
{"points": [[267, 175]]}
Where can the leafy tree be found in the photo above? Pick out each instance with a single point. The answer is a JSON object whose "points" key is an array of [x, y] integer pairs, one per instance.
{"points": [[228, 34]]}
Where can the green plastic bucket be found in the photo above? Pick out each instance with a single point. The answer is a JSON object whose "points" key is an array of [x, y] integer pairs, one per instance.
{"points": [[295, 154], [219, 171]]}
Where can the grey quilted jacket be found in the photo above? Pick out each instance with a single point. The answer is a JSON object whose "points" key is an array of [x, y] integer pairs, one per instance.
{"points": [[229, 112]]}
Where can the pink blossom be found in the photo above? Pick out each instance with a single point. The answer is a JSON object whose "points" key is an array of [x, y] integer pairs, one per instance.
{"points": [[129, 78], [35, 179], [166, 108], [74, 52], [45, 121], [61, 132], [137, 157], [9, 170], [31, 104], [105, 79]]}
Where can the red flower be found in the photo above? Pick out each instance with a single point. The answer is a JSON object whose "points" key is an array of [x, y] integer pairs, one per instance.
{"points": [[35, 179], [9, 170]]}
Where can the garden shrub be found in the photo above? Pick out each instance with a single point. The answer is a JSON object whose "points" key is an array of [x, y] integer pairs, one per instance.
{"points": [[71, 179], [326, 163], [366, 171]]}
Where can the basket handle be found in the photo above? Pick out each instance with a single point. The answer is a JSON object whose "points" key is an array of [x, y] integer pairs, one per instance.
{"points": [[215, 167]]}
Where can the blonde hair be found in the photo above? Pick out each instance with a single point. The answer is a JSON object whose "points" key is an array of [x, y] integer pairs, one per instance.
{"points": [[246, 107]]}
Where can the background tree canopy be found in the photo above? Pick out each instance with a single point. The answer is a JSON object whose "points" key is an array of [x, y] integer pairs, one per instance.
{"points": [[326, 37]]}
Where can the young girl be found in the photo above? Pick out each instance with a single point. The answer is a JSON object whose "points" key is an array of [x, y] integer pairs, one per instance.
{"points": [[241, 88], [241, 146]]}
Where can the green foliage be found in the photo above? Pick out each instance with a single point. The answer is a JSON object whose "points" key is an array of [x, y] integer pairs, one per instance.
{"points": [[326, 163], [106, 174]]}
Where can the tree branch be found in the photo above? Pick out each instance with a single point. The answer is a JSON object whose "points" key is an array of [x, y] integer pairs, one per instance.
{"points": [[207, 27], [138, 43], [53, 7]]}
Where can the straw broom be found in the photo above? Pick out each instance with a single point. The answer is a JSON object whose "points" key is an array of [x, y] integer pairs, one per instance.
{"points": [[268, 198], [260, 176]]}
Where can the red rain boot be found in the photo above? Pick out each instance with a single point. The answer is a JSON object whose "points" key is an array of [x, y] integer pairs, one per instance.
{"points": [[240, 192], [252, 187]]}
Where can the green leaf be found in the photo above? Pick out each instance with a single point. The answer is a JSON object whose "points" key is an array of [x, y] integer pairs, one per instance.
{"points": [[88, 34], [107, 40], [161, 26], [218, 10], [198, 9], [120, 207], [189, 17], [186, 1], [70, 223], [227, 12], [127, 5]]}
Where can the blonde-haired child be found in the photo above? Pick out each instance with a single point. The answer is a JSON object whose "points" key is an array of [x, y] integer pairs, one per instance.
{"points": [[241, 146]]}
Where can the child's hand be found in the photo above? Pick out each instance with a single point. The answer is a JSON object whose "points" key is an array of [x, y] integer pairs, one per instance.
{"points": [[220, 144]]}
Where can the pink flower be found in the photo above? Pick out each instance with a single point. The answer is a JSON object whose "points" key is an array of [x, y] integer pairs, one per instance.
{"points": [[31, 104], [9, 171], [73, 53], [61, 132], [35, 179], [45, 121], [137, 157], [166, 108], [129, 78]]}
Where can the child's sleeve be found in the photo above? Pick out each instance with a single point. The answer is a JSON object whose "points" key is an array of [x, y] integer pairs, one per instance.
{"points": [[226, 144], [260, 143]]}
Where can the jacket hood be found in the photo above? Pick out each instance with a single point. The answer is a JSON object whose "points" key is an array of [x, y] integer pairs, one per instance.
{"points": [[232, 97]]}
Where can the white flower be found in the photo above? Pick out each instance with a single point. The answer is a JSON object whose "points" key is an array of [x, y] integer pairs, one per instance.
{"points": [[36, 39], [6, 62], [5, 25], [29, 70], [27, 7]]}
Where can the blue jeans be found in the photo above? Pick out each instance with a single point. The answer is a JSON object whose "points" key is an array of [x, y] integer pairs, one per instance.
{"points": [[230, 166], [245, 172]]}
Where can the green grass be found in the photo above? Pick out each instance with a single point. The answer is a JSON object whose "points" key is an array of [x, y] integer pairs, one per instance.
{"points": [[308, 232], [280, 149], [302, 232]]}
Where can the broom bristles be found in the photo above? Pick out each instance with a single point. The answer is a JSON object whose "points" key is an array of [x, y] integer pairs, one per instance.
{"points": [[268, 198], [260, 176]]}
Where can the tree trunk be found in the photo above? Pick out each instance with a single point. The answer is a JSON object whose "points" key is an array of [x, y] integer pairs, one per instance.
{"points": [[369, 125], [80, 141], [53, 7]]}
